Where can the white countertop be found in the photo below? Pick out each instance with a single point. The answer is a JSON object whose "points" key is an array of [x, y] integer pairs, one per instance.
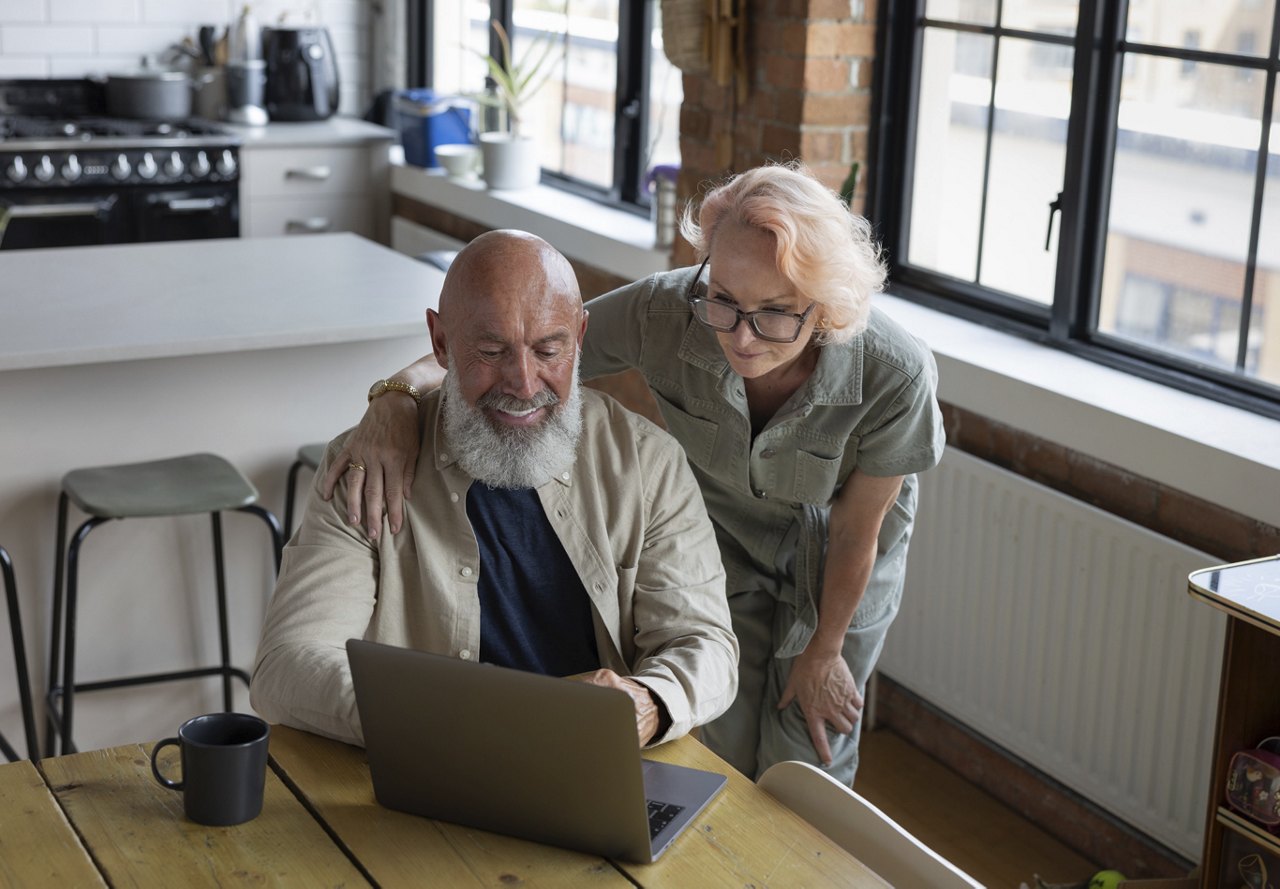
{"points": [[334, 131], [82, 305]]}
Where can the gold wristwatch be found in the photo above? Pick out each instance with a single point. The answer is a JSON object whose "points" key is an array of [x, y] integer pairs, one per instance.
{"points": [[382, 387]]}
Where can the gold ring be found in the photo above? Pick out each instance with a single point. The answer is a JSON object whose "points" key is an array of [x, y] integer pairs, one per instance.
{"points": [[358, 467]]}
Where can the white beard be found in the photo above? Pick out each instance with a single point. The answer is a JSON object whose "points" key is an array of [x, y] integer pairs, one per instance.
{"points": [[509, 457]]}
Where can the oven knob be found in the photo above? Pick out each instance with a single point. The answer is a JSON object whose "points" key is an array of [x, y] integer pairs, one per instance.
{"points": [[71, 170], [173, 167], [45, 170], [200, 166], [120, 168], [147, 167], [17, 170], [226, 163]]}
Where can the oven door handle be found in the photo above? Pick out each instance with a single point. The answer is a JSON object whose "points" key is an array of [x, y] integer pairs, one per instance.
{"points": [[194, 205], [55, 211]]}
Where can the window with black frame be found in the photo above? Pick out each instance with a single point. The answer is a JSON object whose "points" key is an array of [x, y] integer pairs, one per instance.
{"points": [[609, 111], [1101, 173]]}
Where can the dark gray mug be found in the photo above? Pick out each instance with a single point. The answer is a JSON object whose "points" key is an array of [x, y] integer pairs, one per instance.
{"points": [[224, 767]]}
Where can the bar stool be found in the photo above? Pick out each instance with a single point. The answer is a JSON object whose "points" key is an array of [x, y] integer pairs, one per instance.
{"points": [[309, 455], [186, 485], [20, 660]]}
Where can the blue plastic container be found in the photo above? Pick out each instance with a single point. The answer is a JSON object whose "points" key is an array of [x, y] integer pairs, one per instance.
{"points": [[427, 119]]}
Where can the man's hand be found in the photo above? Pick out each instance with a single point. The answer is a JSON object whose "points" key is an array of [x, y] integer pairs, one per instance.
{"points": [[386, 444], [648, 713], [824, 688]]}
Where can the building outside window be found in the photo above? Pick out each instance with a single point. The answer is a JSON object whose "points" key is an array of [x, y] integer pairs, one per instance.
{"points": [[1102, 175], [610, 108]]}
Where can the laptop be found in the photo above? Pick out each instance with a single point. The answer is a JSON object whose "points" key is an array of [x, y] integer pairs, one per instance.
{"points": [[531, 756]]}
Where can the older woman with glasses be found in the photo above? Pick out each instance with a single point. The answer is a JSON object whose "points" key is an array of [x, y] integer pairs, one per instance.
{"points": [[805, 414]]}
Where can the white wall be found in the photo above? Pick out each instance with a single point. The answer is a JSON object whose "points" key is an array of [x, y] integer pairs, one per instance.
{"points": [[72, 38]]}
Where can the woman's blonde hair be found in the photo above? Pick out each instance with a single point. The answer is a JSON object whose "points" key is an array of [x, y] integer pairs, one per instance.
{"points": [[826, 251]]}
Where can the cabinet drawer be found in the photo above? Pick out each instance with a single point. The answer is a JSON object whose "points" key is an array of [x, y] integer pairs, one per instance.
{"points": [[308, 215], [281, 172]]}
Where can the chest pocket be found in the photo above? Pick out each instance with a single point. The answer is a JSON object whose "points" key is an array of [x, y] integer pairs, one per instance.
{"points": [[816, 478], [696, 435]]}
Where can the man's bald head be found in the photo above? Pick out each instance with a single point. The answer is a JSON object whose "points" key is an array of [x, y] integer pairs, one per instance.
{"points": [[509, 268]]}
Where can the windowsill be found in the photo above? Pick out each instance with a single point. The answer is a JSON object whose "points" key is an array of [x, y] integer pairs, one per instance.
{"points": [[1222, 454], [607, 238]]}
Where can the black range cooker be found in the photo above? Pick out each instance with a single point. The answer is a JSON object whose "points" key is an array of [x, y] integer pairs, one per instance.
{"points": [[71, 176]]}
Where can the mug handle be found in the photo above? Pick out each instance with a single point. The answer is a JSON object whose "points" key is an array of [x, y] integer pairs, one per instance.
{"points": [[155, 769]]}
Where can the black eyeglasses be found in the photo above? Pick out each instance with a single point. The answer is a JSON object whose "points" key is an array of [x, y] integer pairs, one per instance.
{"points": [[767, 324]]}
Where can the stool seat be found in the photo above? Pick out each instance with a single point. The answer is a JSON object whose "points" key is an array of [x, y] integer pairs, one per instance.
{"points": [[194, 483], [312, 454]]}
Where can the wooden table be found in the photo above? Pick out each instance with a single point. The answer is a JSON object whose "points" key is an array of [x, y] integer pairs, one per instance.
{"points": [[99, 818]]}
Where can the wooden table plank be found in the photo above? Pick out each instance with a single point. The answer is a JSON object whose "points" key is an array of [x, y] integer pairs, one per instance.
{"points": [[746, 838], [139, 836], [399, 849], [37, 845]]}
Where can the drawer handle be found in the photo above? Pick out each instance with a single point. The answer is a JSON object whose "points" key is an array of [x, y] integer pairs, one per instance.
{"points": [[310, 174], [312, 226]]}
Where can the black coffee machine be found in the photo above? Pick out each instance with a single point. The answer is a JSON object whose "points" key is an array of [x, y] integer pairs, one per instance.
{"points": [[302, 73]]}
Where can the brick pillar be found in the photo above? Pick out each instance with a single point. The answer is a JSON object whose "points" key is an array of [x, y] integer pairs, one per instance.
{"points": [[808, 95]]}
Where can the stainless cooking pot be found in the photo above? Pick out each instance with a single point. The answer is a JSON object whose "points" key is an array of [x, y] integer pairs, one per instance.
{"points": [[149, 95]]}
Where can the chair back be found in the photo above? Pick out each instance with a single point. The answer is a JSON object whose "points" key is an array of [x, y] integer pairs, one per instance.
{"points": [[861, 829]]}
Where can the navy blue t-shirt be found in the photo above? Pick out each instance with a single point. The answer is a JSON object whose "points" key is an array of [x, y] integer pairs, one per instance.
{"points": [[534, 610]]}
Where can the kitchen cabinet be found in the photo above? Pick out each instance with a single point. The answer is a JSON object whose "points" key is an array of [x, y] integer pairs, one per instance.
{"points": [[311, 178], [1238, 850]]}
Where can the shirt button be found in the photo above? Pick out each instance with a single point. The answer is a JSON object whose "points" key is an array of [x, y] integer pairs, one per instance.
{"points": [[453, 497], [466, 571], [465, 654], [761, 494], [565, 476], [767, 453], [444, 458]]}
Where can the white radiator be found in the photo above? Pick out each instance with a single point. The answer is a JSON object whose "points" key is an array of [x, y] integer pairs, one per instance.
{"points": [[1066, 636]]}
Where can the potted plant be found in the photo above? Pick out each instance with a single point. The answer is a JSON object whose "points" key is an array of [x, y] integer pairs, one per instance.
{"points": [[510, 154]]}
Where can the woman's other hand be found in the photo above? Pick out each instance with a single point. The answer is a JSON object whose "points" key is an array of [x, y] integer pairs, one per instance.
{"points": [[824, 688]]}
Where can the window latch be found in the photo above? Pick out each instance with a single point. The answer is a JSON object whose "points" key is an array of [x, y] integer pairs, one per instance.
{"points": [[1055, 207]]}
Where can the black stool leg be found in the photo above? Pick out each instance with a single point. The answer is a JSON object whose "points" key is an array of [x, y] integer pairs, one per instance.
{"points": [[55, 632], [224, 639], [20, 661], [290, 490], [273, 525], [69, 633]]}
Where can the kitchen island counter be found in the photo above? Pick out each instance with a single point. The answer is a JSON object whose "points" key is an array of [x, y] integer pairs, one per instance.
{"points": [[246, 348], [84, 305]]}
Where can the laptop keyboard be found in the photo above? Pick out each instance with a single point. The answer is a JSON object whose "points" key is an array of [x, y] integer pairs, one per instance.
{"points": [[660, 815]]}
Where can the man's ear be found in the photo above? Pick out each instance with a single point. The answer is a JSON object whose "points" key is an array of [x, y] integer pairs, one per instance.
{"points": [[438, 344], [582, 330]]}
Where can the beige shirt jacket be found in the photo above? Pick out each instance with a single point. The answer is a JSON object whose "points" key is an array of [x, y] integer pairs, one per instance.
{"points": [[630, 517]]}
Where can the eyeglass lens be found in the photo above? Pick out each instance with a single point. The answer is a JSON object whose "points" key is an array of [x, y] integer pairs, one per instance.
{"points": [[766, 325]]}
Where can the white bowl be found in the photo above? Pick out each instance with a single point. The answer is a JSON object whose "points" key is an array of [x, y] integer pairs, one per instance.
{"points": [[460, 161]]}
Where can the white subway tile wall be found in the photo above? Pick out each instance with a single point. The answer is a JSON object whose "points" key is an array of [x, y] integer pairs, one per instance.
{"points": [[74, 38]]}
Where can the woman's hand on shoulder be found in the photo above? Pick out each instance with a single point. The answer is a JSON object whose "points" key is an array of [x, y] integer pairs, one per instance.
{"points": [[379, 457]]}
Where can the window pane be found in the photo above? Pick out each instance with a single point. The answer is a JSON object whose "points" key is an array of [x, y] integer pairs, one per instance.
{"points": [[1181, 208], [1045, 16], [666, 92], [1033, 100], [1264, 324], [946, 201], [1242, 27], [974, 12], [573, 114], [459, 32]]}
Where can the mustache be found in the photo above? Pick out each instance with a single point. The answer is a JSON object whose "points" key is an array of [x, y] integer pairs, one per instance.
{"points": [[502, 402]]}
